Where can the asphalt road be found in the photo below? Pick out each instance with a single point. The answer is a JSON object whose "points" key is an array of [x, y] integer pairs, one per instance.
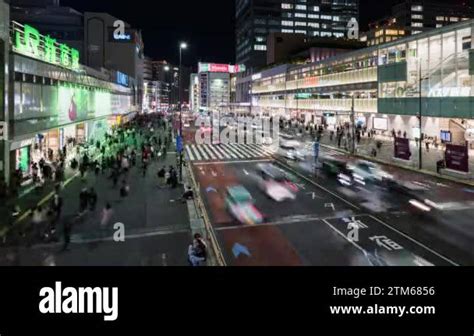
{"points": [[316, 228]]}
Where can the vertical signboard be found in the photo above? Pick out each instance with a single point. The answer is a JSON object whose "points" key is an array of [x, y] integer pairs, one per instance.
{"points": [[402, 149], [203, 83], [457, 158]]}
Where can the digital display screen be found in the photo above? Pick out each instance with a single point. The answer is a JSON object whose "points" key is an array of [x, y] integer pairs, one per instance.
{"points": [[446, 136], [381, 124]]}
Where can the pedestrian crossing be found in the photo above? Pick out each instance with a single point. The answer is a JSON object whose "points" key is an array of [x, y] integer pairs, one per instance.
{"points": [[227, 152]]}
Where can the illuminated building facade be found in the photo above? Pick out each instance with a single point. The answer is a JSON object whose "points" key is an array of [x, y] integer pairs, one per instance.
{"points": [[427, 76]]}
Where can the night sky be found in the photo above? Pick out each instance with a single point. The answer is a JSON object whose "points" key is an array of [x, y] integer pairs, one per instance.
{"points": [[207, 25]]}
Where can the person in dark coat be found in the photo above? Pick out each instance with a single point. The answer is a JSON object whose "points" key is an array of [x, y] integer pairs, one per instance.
{"points": [[92, 199]]}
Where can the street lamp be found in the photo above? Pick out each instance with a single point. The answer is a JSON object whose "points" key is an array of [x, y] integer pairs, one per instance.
{"points": [[182, 46]]}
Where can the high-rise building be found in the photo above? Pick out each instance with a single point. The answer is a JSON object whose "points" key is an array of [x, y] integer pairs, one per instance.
{"points": [[255, 19], [416, 16]]}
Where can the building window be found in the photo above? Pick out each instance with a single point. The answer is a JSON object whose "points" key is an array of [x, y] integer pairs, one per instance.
{"points": [[260, 47], [286, 6], [417, 24], [301, 7], [287, 23], [417, 17], [417, 8]]}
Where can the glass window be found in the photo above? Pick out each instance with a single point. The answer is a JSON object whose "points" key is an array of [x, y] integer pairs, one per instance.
{"points": [[435, 65]]}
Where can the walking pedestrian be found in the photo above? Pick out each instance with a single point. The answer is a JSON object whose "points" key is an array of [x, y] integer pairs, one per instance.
{"points": [[125, 189], [92, 199], [106, 217], [56, 206], [161, 177], [83, 199], [67, 229]]}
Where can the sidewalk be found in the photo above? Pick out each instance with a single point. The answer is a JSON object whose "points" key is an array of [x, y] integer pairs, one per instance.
{"points": [[157, 230]]}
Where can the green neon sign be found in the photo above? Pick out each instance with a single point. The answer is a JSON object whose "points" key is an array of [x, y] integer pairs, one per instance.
{"points": [[28, 41]]}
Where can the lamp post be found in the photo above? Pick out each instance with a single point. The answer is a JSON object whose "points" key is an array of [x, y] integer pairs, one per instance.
{"points": [[167, 68], [182, 46], [420, 115]]}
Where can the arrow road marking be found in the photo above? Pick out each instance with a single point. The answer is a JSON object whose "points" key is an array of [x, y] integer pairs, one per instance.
{"points": [[330, 205], [239, 249], [211, 189]]}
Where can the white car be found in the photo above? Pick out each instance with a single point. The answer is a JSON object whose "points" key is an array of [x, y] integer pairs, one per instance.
{"points": [[287, 152], [277, 192], [366, 171]]}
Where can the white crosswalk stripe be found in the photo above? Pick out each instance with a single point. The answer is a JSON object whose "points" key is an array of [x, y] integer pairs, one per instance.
{"points": [[231, 149], [190, 153], [256, 148], [198, 156], [227, 152], [208, 151], [241, 149], [202, 153], [213, 149]]}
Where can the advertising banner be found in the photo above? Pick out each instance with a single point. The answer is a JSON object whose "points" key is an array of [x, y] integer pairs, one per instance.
{"points": [[457, 158], [402, 149]]}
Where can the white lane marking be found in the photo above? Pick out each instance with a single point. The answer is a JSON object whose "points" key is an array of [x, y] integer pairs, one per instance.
{"points": [[190, 153], [231, 149], [213, 152], [230, 162], [208, 151], [203, 152], [414, 241], [241, 150], [219, 153], [318, 185], [256, 149], [246, 172], [164, 260], [198, 155], [345, 237], [227, 153]]}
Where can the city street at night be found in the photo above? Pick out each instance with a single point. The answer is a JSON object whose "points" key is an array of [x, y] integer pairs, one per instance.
{"points": [[307, 163]]}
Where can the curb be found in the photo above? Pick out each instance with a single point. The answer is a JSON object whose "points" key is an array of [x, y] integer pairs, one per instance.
{"points": [[218, 258], [425, 172]]}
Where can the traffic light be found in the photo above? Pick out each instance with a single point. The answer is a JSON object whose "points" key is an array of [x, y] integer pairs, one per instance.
{"points": [[3, 130]]}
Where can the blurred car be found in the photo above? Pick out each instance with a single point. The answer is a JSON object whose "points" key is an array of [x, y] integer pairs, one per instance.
{"points": [[240, 204], [286, 136], [287, 152], [277, 191], [339, 169], [267, 140], [276, 183], [368, 172]]}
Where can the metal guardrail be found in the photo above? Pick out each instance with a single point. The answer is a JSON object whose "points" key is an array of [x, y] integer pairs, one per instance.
{"points": [[203, 213]]}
